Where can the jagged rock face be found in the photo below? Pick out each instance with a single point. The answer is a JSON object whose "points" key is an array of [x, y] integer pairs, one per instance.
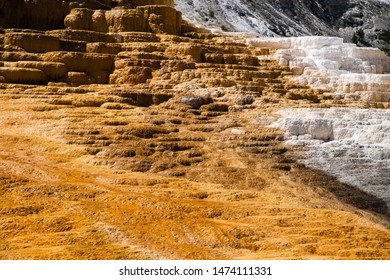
{"points": [[296, 18], [120, 20], [153, 18]]}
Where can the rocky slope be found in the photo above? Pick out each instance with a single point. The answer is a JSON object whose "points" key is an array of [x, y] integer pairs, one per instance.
{"points": [[364, 22], [133, 135]]}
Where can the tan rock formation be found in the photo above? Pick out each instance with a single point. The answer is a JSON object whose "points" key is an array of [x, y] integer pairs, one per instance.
{"points": [[116, 20], [23, 75], [53, 70], [79, 19], [85, 35], [124, 20], [16, 56], [78, 79], [186, 51], [131, 75], [32, 42], [153, 2], [162, 19], [159, 19], [100, 47], [129, 37], [83, 62]]}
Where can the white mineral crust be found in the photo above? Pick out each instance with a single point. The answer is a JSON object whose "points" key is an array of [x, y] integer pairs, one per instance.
{"points": [[342, 70], [352, 145]]}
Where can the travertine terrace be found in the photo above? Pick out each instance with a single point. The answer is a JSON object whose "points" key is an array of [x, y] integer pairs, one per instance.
{"points": [[130, 134]]}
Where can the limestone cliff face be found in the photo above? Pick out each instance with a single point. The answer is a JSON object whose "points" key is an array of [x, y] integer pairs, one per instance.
{"points": [[364, 22]]}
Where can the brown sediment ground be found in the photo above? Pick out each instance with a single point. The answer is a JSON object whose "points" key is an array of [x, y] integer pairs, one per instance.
{"points": [[168, 182]]}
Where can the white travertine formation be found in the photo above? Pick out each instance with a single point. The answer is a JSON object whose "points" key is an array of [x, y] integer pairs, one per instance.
{"points": [[343, 70], [351, 144]]}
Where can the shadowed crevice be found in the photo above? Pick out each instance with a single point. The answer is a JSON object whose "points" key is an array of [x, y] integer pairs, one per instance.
{"points": [[344, 192]]}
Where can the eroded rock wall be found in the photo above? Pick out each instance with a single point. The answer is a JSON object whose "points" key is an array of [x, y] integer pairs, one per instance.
{"points": [[156, 18], [42, 14]]}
